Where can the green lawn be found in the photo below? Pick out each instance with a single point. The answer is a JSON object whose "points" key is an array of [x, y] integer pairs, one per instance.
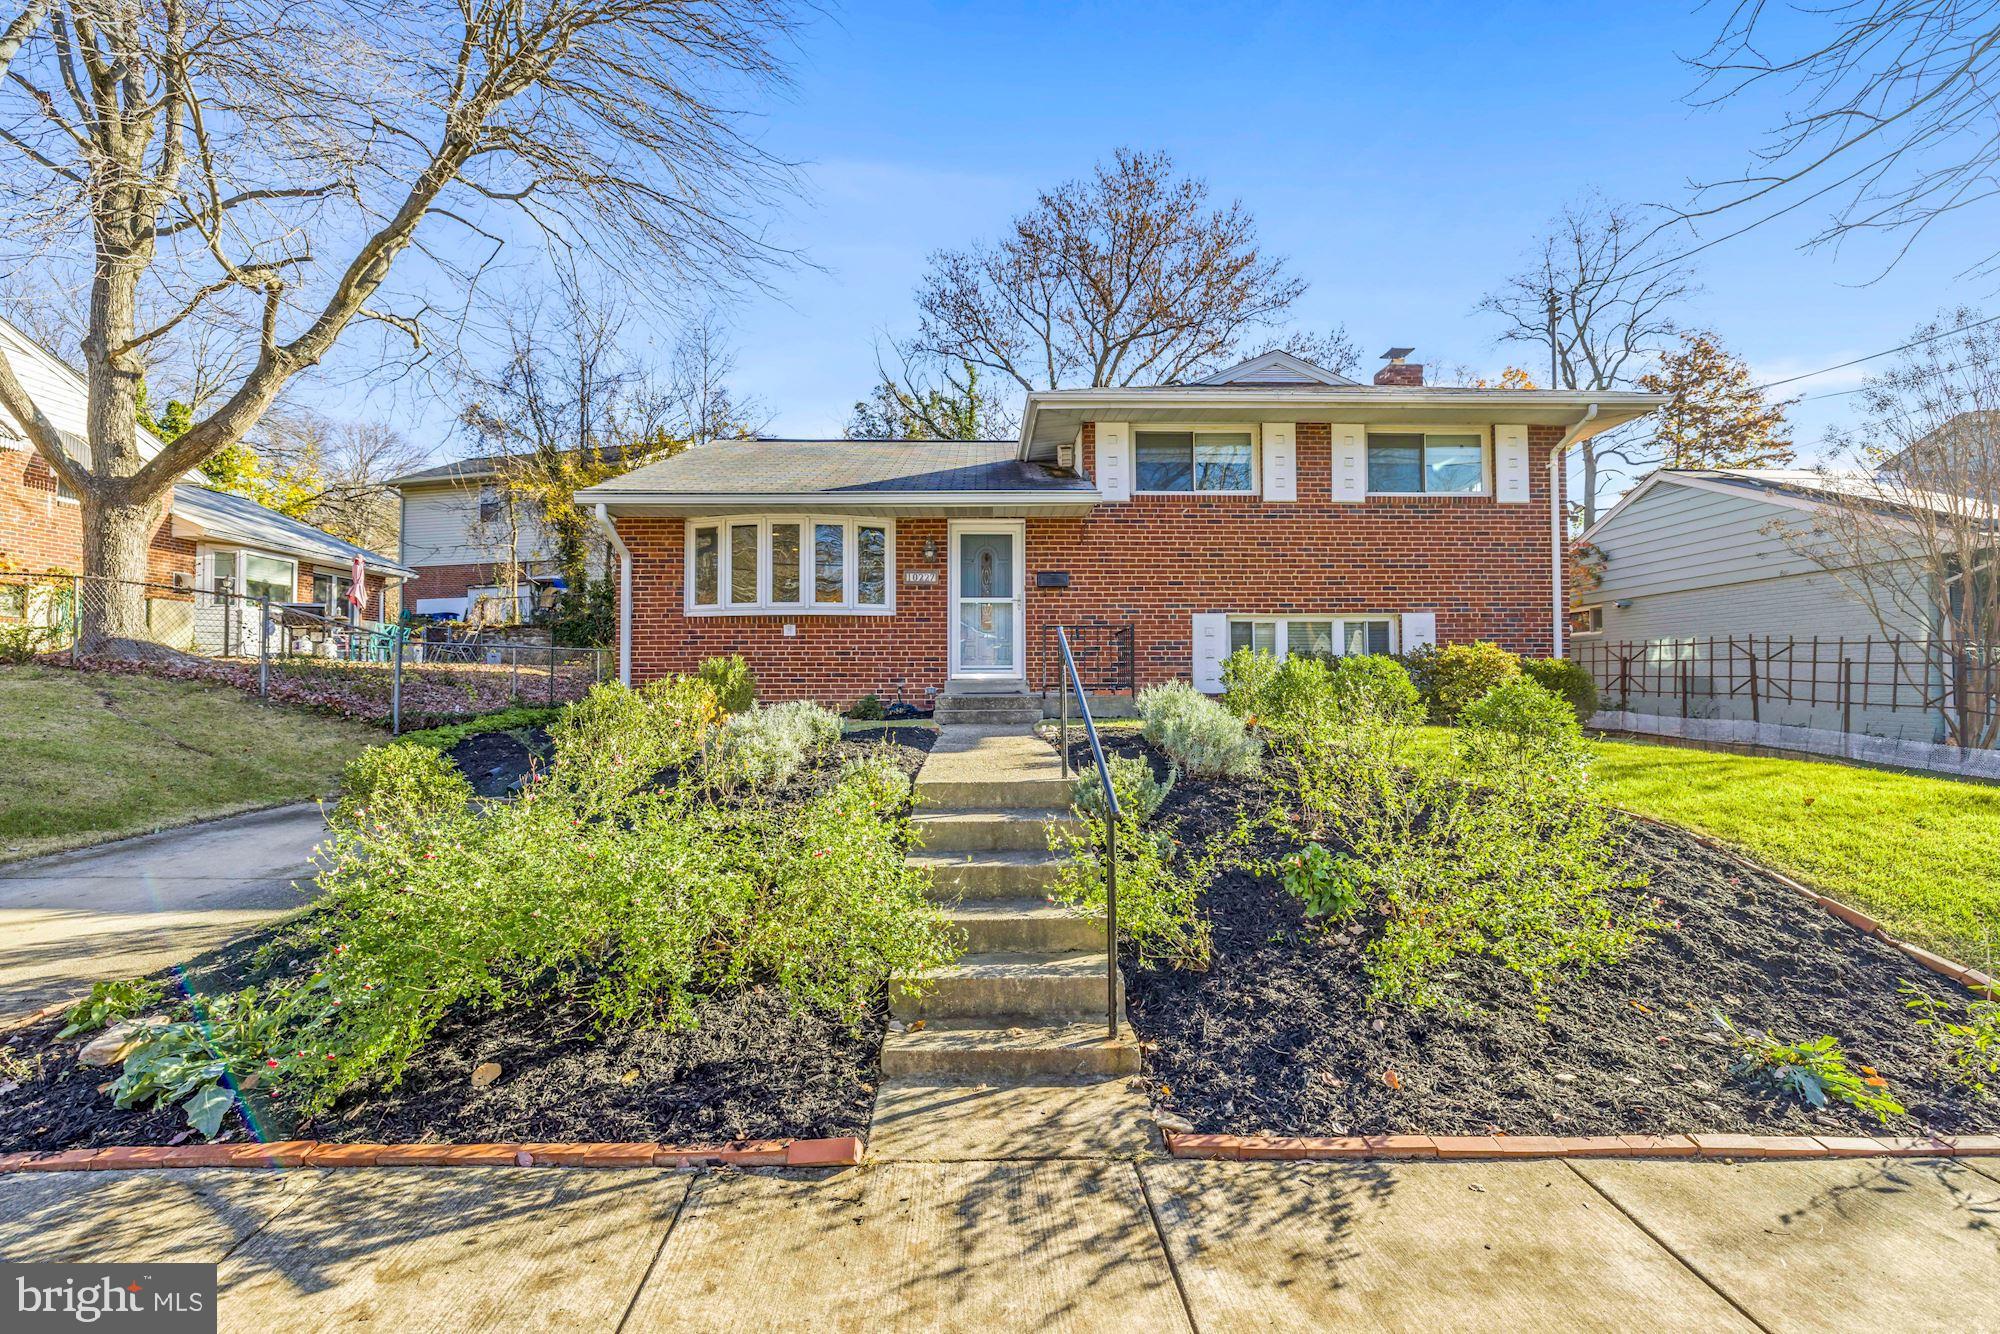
{"points": [[1920, 855], [85, 757]]}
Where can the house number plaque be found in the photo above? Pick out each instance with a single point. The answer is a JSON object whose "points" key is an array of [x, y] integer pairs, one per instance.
{"points": [[920, 576]]}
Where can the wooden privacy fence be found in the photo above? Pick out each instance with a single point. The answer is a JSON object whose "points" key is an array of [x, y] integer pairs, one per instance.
{"points": [[1756, 673]]}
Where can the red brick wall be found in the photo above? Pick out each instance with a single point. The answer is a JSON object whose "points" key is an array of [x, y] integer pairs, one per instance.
{"points": [[450, 581], [39, 532], [1152, 563]]}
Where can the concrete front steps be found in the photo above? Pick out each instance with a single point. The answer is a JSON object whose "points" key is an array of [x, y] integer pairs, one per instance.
{"points": [[1006, 1052], [1013, 708]]}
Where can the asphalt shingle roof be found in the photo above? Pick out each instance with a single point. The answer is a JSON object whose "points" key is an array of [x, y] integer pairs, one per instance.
{"points": [[233, 517], [845, 467]]}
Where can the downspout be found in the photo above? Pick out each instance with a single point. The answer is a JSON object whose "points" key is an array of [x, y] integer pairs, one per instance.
{"points": [[1557, 537], [624, 594]]}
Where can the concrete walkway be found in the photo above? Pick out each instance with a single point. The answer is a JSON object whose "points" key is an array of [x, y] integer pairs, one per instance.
{"points": [[141, 903], [1078, 1245]]}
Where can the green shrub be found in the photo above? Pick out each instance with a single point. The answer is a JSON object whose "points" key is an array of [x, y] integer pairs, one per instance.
{"points": [[109, 1002], [1520, 731], [735, 685], [1246, 682], [1159, 886], [1495, 848], [20, 642], [1815, 1070], [1377, 686], [402, 786], [637, 915], [1198, 734], [1325, 883], [502, 720], [867, 709], [615, 740], [764, 747], [232, 1044], [1139, 793], [1462, 673], [1571, 680]]}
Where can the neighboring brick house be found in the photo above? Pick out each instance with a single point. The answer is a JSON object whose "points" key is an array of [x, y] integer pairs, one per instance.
{"points": [[1274, 505], [208, 539]]}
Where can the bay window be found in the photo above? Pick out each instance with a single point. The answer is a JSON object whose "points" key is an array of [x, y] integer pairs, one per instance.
{"points": [[1197, 462], [1318, 637], [1413, 463], [779, 563]]}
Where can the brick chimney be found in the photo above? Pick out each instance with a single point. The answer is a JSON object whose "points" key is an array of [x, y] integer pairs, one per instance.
{"points": [[1400, 373]]}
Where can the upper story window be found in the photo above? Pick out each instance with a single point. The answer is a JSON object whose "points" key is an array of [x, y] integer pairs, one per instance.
{"points": [[790, 563], [492, 504], [1195, 461], [1416, 463]]}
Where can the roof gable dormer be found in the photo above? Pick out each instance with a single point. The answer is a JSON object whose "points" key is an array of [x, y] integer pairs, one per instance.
{"points": [[1276, 367]]}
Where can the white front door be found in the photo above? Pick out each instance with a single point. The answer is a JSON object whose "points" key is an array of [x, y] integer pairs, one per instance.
{"points": [[986, 600]]}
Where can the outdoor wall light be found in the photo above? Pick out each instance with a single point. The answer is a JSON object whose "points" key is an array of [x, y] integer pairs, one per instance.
{"points": [[930, 548], [1623, 604]]}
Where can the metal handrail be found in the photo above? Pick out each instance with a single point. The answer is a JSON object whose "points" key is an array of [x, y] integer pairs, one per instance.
{"points": [[1112, 813]]}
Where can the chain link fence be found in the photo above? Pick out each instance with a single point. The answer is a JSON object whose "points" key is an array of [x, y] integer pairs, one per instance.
{"points": [[291, 651]]}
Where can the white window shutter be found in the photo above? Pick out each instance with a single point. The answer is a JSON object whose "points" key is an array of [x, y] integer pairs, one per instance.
{"points": [[1211, 646], [1420, 630], [1350, 462], [1114, 460], [1281, 462], [1510, 465]]}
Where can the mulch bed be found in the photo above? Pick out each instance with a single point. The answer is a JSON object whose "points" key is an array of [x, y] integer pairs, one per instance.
{"points": [[1276, 1038], [751, 1069]]}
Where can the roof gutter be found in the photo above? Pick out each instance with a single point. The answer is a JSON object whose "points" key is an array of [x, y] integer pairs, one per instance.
{"points": [[1556, 525], [624, 593], [833, 500]]}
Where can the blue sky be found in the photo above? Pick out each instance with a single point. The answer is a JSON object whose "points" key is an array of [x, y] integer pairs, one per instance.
{"points": [[1401, 156]]}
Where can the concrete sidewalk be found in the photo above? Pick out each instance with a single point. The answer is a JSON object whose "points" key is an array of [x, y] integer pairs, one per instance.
{"points": [[1157, 1245], [139, 904]]}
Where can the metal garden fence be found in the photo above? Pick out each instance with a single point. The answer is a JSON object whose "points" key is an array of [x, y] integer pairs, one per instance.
{"points": [[294, 651], [1851, 684]]}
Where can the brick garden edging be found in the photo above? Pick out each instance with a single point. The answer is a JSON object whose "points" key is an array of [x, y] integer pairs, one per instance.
{"points": [[1299, 1148], [844, 1151]]}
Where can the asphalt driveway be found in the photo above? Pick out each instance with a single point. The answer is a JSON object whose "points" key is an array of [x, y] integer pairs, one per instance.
{"points": [[139, 904]]}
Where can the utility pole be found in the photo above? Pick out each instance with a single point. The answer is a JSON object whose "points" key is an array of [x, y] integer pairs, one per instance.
{"points": [[1554, 308]]}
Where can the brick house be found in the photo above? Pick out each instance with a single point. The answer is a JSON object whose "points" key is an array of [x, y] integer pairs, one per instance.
{"points": [[1274, 505], [208, 539]]}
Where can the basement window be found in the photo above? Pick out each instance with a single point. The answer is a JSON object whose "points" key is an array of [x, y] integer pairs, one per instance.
{"points": [[1317, 637]]}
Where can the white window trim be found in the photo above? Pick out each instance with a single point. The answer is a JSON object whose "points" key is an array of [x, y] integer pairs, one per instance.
{"points": [[724, 524], [1485, 434], [1281, 650], [205, 566], [1254, 491]]}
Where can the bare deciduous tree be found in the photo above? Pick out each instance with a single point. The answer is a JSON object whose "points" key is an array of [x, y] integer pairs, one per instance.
{"points": [[1127, 276], [1615, 298], [1890, 116], [267, 167], [1912, 528]]}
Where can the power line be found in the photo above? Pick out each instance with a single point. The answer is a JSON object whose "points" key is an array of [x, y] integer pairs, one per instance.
{"points": [[1872, 356]]}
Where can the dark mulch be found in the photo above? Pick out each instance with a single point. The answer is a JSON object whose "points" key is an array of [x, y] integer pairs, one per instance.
{"points": [[1277, 1038], [751, 1068], [497, 763]]}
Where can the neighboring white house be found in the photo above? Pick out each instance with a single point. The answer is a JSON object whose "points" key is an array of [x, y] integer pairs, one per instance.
{"points": [[1689, 557], [458, 527]]}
